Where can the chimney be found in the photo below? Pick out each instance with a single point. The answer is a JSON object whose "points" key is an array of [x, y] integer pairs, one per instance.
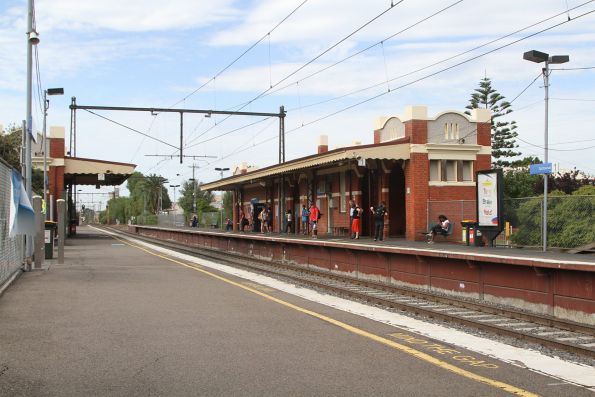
{"points": [[323, 144], [243, 168]]}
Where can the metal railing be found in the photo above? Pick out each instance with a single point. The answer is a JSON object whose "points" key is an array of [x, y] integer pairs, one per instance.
{"points": [[12, 252]]}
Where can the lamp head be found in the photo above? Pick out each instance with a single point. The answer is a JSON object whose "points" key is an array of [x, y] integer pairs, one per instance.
{"points": [[535, 56], [33, 37], [55, 91], [557, 59]]}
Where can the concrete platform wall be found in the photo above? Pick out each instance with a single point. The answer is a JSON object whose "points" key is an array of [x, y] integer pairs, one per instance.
{"points": [[557, 291]]}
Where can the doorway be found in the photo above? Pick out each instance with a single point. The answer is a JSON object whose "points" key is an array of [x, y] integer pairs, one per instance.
{"points": [[396, 204]]}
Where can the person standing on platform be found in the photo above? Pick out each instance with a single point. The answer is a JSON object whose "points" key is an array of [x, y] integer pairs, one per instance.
{"points": [[355, 223], [314, 217], [289, 220], [264, 220], [305, 219], [379, 213], [194, 221], [351, 209], [243, 221]]}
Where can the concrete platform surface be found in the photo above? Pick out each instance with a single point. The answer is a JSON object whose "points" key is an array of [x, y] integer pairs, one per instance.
{"points": [[520, 256], [116, 320]]}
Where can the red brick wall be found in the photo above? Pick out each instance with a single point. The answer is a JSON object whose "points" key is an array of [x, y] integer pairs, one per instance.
{"points": [[484, 134], [56, 184], [417, 175], [483, 162], [417, 130], [57, 150], [376, 136]]}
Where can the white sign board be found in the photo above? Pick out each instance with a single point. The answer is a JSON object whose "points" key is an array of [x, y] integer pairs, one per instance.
{"points": [[101, 177], [487, 199]]}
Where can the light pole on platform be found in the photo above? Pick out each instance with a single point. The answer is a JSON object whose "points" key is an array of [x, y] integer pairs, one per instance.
{"points": [[174, 186], [221, 171], [46, 106], [539, 57]]}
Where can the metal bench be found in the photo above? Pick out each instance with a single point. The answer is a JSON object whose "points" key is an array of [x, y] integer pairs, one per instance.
{"points": [[445, 235]]}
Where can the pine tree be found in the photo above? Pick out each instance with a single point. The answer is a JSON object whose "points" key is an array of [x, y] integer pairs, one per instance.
{"points": [[503, 132]]}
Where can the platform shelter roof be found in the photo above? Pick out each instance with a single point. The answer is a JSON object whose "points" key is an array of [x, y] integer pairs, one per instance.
{"points": [[82, 171], [396, 150]]}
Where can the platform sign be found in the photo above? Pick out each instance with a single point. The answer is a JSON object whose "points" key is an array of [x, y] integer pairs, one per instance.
{"points": [[536, 169], [489, 199]]}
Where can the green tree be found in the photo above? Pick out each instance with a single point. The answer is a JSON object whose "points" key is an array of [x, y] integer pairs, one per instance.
{"points": [[10, 146], [145, 193], [570, 219], [118, 209], [203, 199], [503, 132], [518, 182]]}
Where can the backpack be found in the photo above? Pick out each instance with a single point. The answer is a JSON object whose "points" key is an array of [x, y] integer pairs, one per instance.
{"points": [[379, 213], [319, 215]]}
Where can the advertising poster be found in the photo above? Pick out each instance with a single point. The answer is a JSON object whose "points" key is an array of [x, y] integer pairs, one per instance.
{"points": [[487, 199]]}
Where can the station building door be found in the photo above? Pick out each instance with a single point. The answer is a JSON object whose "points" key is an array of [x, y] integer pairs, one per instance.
{"points": [[370, 197], [396, 204]]}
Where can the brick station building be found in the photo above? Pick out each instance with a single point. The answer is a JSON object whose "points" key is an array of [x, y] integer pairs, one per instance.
{"points": [[65, 173], [414, 160]]}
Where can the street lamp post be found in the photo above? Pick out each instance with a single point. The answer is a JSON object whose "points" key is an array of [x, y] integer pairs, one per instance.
{"points": [[221, 170], [539, 57], [174, 186], [46, 106], [32, 40]]}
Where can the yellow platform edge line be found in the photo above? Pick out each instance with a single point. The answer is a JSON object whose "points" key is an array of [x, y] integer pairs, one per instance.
{"points": [[406, 349]]}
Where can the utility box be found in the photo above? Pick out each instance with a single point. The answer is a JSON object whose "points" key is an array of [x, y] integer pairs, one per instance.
{"points": [[49, 235]]}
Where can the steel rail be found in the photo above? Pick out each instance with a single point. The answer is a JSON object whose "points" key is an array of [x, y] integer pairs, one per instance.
{"points": [[267, 267]]}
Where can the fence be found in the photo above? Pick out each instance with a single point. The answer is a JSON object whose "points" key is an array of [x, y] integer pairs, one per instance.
{"points": [[11, 248], [206, 219], [571, 219]]}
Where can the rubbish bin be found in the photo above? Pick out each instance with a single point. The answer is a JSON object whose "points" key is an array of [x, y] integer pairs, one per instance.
{"points": [[478, 240], [50, 233], [468, 231]]}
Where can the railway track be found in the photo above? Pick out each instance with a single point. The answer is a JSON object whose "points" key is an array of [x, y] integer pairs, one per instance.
{"points": [[543, 330]]}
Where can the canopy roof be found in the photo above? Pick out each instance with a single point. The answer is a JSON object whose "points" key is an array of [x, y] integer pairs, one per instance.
{"points": [[81, 171], [395, 150]]}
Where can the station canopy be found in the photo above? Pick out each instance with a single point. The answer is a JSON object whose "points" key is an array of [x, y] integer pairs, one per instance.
{"points": [[81, 171], [396, 150]]}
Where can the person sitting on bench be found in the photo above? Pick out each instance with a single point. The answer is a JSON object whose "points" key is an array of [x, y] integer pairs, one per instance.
{"points": [[440, 228]]}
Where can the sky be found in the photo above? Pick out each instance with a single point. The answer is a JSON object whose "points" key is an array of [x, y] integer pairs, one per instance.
{"points": [[334, 65]]}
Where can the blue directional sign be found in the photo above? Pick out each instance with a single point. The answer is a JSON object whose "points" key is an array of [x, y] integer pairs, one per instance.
{"points": [[536, 169]]}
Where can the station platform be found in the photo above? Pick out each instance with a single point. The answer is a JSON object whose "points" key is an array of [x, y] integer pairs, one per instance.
{"points": [[119, 318], [552, 283]]}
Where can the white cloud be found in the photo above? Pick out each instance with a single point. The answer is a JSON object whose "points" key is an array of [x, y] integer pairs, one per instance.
{"points": [[132, 15]]}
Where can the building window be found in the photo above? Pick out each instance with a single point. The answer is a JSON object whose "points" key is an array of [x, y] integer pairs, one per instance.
{"points": [[467, 170], [435, 170], [451, 170]]}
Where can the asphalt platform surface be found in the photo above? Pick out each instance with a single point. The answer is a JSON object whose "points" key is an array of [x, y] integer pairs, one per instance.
{"points": [[115, 320]]}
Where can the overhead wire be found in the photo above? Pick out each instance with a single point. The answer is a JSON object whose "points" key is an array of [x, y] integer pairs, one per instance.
{"points": [[326, 51], [367, 48], [242, 54], [129, 128], [443, 60], [437, 72]]}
